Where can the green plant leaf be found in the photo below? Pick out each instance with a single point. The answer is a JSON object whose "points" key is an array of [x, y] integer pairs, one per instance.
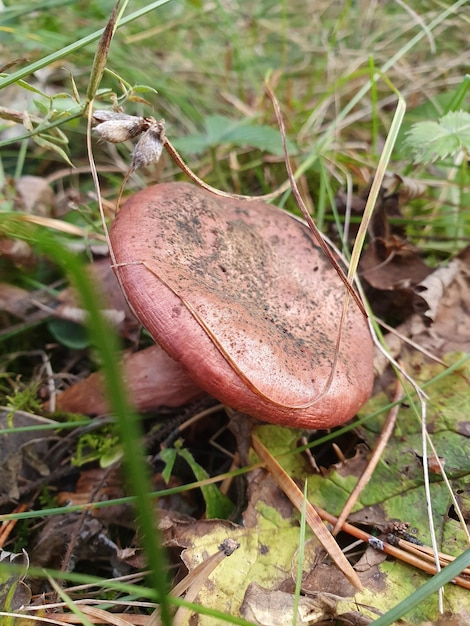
{"points": [[69, 334], [144, 89], [220, 130], [445, 576], [217, 505], [168, 456], [430, 141], [395, 491], [218, 127], [49, 145], [264, 138]]}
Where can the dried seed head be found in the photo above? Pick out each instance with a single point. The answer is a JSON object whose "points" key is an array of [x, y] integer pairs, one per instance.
{"points": [[149, 147], [116, 127], [116, 131], [103, 115]]}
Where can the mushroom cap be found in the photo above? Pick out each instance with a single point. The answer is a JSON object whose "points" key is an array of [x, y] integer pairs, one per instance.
{"points": [[241, 296]]}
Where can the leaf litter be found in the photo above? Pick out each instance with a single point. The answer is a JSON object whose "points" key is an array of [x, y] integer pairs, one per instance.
{"points": [[392, 499], [268, 536]]}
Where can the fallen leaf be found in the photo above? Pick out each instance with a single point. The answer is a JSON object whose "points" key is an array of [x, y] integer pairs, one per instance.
{"points": [[96, 485], [450, 328], [88, 536], [395, 492], [276, 608], [14, 592], [34, 195], [264, 556], [23, 454]]}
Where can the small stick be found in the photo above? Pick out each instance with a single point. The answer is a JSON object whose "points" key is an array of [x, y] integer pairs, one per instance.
{"points": [[374, 459], [296, 496]]}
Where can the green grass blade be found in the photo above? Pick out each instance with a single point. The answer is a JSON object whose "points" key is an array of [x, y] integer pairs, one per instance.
{"points": [[459, 99], [376, 185], [105, 340], [74, 47]]}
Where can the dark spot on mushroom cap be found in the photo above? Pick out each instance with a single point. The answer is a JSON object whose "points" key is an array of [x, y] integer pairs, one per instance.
{"points": [[238, 292]]}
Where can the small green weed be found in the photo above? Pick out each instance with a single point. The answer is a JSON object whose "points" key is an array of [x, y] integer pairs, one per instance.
{"points": [[103, 446]]}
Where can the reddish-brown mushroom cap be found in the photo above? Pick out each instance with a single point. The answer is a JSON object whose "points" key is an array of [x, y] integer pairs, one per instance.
{"points": [[239, 294]]}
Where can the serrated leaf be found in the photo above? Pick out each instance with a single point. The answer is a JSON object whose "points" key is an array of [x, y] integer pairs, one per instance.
{"points": [[429, 141]]}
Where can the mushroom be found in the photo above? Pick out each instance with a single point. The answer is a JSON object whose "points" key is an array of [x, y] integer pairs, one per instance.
{"points": [[239, 294], [152, 378]]}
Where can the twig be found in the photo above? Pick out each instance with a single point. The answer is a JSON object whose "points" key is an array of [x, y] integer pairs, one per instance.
{"points": [[374, 458], [7, 526], [178, 159], [389, 549], [295, 495]]}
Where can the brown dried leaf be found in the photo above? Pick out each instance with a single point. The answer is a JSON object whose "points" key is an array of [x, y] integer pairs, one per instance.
{"points": [[430, 291], [106, 284], [448, 306], [34, 196], [18, 252], [14, 300], [22, 454], [97, 485], [320, 576], [86, 533], [406, 187], [392, 264], [276, 608]]}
